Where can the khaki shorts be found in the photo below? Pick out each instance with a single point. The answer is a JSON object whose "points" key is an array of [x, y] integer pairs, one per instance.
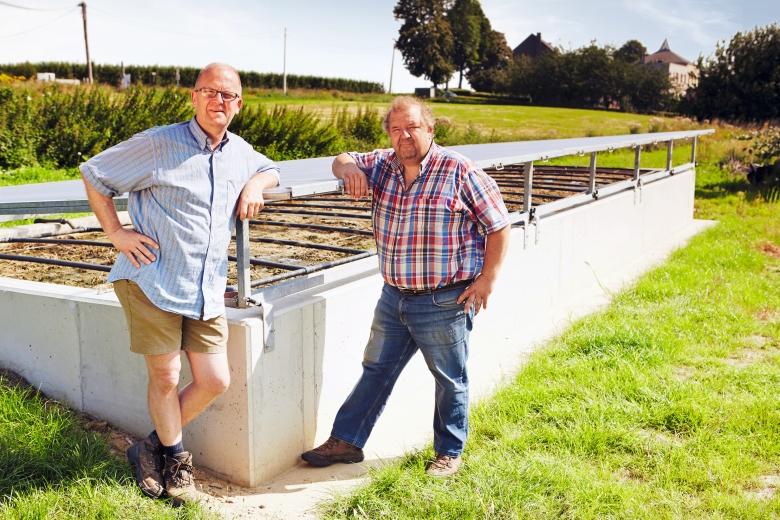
{"points": [[154, 331]]}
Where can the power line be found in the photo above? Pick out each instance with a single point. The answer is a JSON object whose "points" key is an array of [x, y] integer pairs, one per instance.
{"points": [[168, 30], [25, 8], [32, 29]]}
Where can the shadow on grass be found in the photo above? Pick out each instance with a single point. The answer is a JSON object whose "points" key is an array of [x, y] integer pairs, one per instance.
{"points": [[43, 445], [722, 188], [767, 192]]}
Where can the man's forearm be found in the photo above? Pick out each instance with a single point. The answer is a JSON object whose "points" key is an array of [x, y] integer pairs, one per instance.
{"points": [[344, 164], [496, 247], [263, 180], [104, 209]]}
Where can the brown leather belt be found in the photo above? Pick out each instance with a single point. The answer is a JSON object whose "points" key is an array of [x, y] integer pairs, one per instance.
{"points": [[417, 292]]}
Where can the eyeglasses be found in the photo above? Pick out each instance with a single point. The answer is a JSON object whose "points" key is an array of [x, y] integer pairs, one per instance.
{"points": [[211, 93]]}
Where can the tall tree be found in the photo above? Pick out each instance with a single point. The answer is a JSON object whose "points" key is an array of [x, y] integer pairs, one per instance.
{"points": [[742, 80], [425, 39], [494, 58], [631, 52], [465, 19]]}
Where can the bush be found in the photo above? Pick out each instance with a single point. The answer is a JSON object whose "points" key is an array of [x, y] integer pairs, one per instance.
{"points": [[284, 133], [156, 75], [361, 130], [766, 147]]}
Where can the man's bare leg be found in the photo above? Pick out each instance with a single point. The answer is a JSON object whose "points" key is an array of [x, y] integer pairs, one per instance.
{"points": [[171, 410], [210, 379]]}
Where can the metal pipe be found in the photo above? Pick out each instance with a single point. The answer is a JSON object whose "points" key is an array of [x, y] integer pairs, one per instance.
{"points": [[242, 263], [324, 206], [54, 261], [268, 209], [528, 179], [267, 263], [637, 160], [669, 152], [694, 142], [320, 227], [592, 171], [310, 245], [310, 269], [57, 241]]}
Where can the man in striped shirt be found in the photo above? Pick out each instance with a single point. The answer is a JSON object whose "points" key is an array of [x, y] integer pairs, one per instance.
{"points": [[441, 231], [186, 182]]}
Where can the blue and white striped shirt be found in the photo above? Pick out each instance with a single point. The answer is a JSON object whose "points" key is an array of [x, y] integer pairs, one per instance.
{"points": [[182, 194]]}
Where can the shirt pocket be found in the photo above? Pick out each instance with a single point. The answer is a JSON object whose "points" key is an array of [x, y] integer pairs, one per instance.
{"points": [[435, 217]]}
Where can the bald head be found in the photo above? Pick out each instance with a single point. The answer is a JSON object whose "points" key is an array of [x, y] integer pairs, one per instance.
{"points": [[218, 70]]}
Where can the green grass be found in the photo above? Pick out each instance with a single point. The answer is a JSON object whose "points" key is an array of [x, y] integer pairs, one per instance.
{"points": [[664, 405], [482, 123], [33, 175], [36, 174], [52, 468]]}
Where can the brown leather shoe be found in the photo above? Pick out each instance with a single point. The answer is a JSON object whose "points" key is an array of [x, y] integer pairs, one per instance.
{"points": [[444, 465], [177, 475], [145, 457], [331, 451]]}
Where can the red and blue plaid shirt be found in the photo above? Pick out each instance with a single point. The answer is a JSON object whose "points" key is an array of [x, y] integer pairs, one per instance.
{"points": [[432, 234]]}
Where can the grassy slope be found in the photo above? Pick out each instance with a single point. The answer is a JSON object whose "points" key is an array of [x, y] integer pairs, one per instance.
{"points": [[53, 468], [504, 122], [657, 407]]}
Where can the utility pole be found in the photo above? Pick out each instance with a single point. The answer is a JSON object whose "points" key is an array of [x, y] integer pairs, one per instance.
{"points": [[284, 64], [392, 61], [83, 6]]}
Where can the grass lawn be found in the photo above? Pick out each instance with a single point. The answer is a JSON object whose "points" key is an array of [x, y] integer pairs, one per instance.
{"points": [[52, 468], [491, 122], [664, 405]]}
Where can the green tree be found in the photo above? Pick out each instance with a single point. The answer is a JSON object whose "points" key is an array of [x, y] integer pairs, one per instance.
{"points": [[465, 19], [495, 56], [631, 52], [425, 39], [742, 80]]}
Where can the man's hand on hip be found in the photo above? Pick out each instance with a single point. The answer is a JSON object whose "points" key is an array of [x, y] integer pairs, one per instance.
{"points": [[476, 295], [133, 245]]}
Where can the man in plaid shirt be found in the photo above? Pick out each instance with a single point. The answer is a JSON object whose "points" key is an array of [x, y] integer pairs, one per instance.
{"points": [[441, 231]]}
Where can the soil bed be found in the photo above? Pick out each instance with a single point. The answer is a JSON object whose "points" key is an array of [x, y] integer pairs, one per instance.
{"points": [[350, 223]]}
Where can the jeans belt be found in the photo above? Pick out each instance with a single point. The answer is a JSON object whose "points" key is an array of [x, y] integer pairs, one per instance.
{"points": [[416, 292]]}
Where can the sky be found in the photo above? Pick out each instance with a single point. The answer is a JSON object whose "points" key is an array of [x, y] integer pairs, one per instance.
{"points": [[349, 38]]}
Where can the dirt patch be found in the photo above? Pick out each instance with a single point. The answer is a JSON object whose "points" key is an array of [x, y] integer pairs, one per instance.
{"points": [[768, 314], [759, 348], [770, 249], [627, 475], [682, 373], [766, 488]]}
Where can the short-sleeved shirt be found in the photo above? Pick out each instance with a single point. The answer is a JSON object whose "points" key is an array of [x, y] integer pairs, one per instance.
{"points": [[432, 234], [182, 194]]}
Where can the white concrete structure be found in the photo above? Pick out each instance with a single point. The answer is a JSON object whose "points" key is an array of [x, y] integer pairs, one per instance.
{"points": [[294, 359]]}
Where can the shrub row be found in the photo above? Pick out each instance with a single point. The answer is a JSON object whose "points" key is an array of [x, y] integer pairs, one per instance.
{"points": [[60, 127], [166, 76]]}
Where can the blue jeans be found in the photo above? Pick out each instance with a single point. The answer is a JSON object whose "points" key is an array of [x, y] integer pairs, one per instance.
{"points": [[438, 326]]}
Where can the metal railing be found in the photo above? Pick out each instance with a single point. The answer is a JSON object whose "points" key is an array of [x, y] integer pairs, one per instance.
{"points": [[495, 156]]}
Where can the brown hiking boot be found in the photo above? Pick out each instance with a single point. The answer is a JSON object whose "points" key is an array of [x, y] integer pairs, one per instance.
{"points": [[177, 475], [331, 451], [145, 457], [444, 466]]}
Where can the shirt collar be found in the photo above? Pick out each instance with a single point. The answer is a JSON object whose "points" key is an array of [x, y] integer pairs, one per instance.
{"points": [[202, 139], [423, 164]]}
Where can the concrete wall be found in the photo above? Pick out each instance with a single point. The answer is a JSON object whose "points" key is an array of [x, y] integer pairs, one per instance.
{"points": [[294, 361]]}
